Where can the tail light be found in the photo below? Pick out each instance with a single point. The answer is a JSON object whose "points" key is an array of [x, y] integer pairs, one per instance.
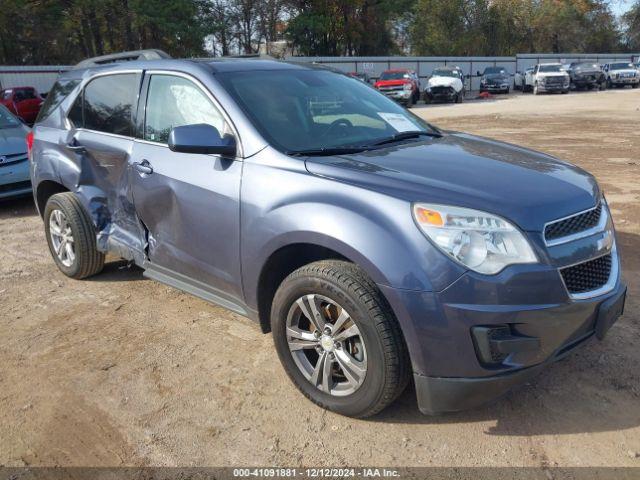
{"points": [[29, 139]]}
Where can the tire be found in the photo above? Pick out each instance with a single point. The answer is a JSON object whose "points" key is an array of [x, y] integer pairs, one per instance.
{"points": [[609, 84], [635, 85], [64, 210], [409, 102], [603, 85], [535, 89], [460, 97], [382, 344], [564, 92]]}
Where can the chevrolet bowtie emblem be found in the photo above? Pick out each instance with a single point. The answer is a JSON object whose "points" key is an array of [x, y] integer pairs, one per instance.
{"points": [[606, 242]]}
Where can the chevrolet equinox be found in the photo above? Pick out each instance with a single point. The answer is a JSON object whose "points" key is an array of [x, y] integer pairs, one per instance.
{"points": [[376, 248]]}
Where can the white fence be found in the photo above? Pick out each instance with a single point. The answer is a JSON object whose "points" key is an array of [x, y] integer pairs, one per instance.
{"points": [[374, 66], [43, 77]]}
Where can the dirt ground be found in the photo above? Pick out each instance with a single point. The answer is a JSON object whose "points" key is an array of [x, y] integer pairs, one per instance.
{"points": [[121, 370]]}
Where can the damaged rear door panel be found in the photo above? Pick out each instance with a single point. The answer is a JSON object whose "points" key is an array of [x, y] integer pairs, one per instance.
{"points": [[100, 143]]}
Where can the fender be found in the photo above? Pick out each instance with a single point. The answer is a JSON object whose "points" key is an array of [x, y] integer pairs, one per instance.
{"points": [[372, 229]]}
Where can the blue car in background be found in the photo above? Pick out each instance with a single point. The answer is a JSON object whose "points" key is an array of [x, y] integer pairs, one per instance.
{"points": [[14, 165], [377, 248]]}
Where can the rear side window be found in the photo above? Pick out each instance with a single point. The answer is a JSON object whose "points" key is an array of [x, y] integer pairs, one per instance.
{"points": [[56, 95], [109, 102]]}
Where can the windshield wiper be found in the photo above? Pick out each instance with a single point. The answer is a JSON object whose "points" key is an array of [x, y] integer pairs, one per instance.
{"points": [[407, 135], [325, 151]]}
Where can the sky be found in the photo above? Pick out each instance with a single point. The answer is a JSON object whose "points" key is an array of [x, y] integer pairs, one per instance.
{"points": [[620, 6]]}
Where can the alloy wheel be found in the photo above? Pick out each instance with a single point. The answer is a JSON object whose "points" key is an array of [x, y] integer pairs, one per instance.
{"points": [[62, 238], [326, 345]]}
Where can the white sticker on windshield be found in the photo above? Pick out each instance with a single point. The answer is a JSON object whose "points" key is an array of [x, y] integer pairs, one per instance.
{"points": [[398, 121]]}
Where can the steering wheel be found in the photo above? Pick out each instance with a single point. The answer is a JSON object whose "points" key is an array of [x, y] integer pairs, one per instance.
{"points": [[341, 122]]}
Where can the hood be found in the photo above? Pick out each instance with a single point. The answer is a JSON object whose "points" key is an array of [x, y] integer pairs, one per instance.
{"points": [[12, 140], [552, 74], [495, 76], [444, 82], [391, 83], [624, 70], [586, 70], [523, 186]]}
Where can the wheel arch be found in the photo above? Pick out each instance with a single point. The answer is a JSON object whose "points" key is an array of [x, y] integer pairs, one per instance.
{"points": [[288, 258], [45, 190]]}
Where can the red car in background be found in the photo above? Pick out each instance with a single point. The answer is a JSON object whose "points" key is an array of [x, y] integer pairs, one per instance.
{"points": [[401, 84], [24, 102]]}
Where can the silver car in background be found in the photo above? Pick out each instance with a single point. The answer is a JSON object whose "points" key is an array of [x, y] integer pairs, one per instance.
{"points": [[14, 164]]}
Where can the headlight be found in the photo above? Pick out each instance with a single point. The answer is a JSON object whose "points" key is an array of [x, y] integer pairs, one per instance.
{"points": [[408, 86], [480, 241]]}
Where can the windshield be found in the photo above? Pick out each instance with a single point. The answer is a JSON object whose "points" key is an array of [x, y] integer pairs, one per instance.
{"points": [[494, 71], [550, 68], [621, 66], [298, 110], [393, 75], [445, 73], [7, 120]]}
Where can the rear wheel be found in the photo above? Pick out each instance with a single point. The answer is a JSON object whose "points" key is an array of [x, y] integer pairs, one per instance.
{"points": [[338, 340], [71, 237]]}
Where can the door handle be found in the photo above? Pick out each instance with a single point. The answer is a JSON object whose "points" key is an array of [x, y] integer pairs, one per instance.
{"points": [[143, 167], [74, 146]]}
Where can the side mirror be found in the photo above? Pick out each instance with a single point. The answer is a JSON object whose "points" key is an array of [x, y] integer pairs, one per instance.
{"points": [[201, 138], [478, 73]]}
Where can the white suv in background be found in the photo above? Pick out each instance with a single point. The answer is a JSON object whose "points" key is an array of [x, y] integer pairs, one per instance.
{"points": [[620, 74], [547, 77]]}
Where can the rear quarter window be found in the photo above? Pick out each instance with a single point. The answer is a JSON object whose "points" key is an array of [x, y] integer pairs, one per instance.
{"points": [[57, 94]]}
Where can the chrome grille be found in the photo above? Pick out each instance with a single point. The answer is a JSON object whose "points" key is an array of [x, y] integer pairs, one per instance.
{"points": [[12, 158], [574, 224], [587, 276]]}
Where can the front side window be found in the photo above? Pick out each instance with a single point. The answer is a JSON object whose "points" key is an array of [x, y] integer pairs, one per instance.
{"points": [[109, 102], [298, 110], [175, 101]]}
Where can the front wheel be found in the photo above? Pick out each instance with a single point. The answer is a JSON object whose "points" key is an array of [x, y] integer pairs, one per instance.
{"points": [[635, 85], [338, 339], [71, 237], [460, 97], [535, 89]]}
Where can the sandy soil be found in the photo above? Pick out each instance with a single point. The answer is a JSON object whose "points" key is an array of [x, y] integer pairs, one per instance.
{"points": [[120, 370]]}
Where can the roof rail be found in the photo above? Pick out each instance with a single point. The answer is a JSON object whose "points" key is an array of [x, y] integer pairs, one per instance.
{"points": [[150, 54]]}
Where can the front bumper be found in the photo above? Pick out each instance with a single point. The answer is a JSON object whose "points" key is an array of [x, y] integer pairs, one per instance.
{"points": [[530, 300], [625, 81], [437, 395], [14, 179], [494, 88], [553, 87], [402, 96]]}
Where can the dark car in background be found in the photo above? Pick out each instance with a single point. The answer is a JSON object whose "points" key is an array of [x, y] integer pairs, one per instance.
{"points": [[495, 80], [14, 167], [586, 75], [24, 102], [375, 247]]}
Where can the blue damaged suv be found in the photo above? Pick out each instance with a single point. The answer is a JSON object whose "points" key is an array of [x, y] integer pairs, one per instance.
{"points": [[376, 248]]}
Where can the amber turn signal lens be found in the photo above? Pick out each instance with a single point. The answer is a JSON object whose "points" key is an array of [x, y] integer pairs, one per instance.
{"points": [[430, 217]]}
